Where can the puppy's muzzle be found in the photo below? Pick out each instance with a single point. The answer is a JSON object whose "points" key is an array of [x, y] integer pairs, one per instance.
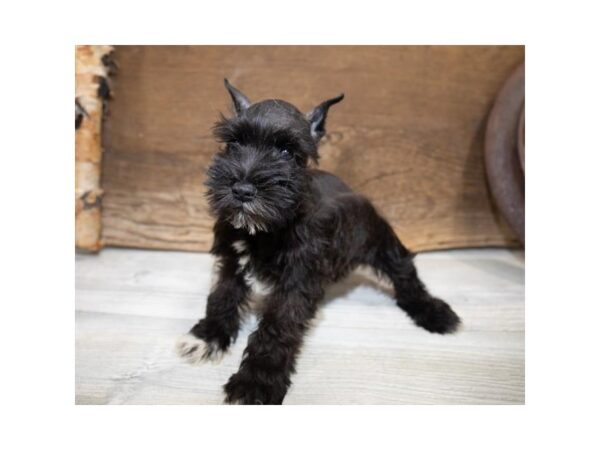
{"points": [[243, 191]]}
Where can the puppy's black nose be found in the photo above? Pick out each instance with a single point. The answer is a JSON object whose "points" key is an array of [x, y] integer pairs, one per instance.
{"points": [[242, 191]]}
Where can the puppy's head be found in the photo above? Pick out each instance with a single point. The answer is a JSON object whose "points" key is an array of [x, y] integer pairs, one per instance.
{"points": [[258, 178]]}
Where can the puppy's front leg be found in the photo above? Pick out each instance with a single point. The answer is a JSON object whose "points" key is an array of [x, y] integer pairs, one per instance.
{"points": [[211, 336], [269, 358]]}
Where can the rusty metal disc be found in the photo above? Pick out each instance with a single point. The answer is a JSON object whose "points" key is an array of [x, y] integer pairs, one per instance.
{"points": [[502, 162], [521, 137]]}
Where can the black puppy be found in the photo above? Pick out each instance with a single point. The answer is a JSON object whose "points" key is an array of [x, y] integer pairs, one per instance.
{"points": [[295, 229]]}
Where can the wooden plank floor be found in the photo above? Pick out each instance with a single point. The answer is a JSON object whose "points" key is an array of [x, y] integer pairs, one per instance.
{"points": [[131, 305]]}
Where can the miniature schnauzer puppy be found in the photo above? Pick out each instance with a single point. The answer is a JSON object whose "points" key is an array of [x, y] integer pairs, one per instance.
{"points": [[295, 229]]}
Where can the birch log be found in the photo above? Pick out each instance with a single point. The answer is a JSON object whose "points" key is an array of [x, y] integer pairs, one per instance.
{"points": [[90, 79]]}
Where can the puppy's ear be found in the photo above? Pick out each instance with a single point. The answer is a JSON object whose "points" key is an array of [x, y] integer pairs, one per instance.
{"points": [[318, 115], [240, 101]]}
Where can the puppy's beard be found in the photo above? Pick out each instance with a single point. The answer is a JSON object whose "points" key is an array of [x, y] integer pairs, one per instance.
{"points": [[247, 218]]}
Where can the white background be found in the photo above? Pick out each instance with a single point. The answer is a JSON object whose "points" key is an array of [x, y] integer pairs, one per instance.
{"points": [[37, 216]]}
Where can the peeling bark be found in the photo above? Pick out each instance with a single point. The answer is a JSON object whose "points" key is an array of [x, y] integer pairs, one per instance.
{"points": [[91, 92]]}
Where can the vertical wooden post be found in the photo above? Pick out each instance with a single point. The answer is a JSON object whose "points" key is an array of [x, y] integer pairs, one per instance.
{"points": [[90, 92]]}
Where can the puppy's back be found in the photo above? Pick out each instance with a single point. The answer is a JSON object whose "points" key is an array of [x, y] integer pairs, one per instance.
{"points": [[327, 185]]}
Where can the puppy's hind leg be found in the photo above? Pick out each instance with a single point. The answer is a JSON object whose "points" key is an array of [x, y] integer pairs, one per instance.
{"points": [[393, 260]]}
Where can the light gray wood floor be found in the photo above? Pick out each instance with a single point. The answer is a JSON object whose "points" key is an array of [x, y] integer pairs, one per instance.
{"points": [[131, 305]]}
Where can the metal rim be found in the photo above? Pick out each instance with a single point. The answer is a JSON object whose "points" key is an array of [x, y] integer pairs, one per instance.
{"points": [[504, 172]]}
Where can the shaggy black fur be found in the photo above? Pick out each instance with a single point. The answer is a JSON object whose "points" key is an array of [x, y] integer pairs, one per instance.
{"points": [[295, 229]]}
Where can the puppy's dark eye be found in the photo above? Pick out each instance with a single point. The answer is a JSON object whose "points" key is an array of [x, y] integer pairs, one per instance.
{"points": [[285, 153]]}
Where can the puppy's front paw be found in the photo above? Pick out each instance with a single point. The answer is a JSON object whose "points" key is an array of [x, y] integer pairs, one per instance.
{"points": [[437, 317], [195, 350], [247, 388]]}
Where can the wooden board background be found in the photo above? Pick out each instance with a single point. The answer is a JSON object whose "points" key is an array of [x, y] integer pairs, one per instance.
{"points": [[409, 134]]}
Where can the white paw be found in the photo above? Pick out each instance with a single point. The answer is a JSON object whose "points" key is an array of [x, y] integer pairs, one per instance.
{"points": [[195, 351]]}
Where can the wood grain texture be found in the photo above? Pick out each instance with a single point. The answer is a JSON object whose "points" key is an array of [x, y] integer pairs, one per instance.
{"points": [[409, 134], [362, 349]]}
